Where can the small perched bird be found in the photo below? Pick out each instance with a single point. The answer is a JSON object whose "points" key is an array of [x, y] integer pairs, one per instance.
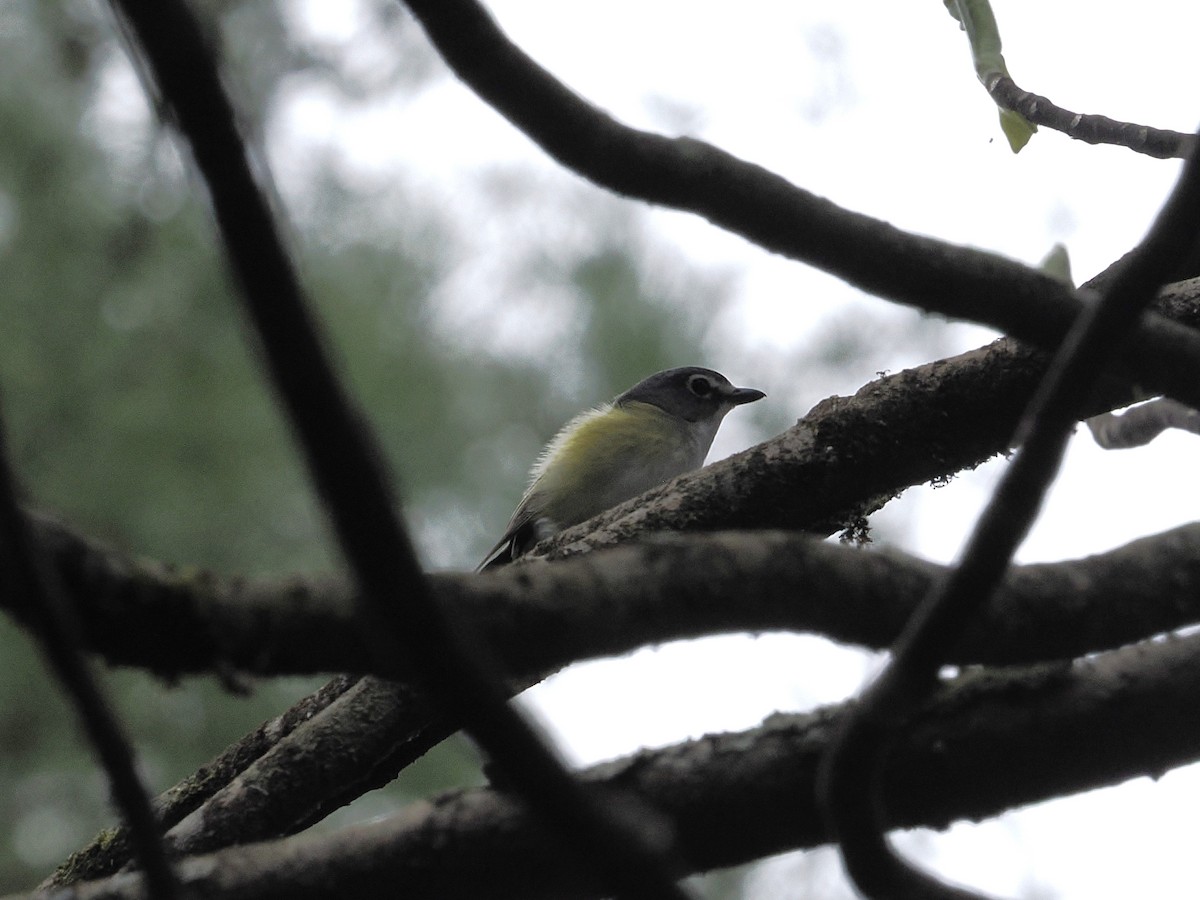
{"points": [[659, 428]]}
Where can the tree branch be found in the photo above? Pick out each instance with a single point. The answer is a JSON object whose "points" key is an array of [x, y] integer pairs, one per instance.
{"points": [[1174, 367], [396, 609], [670, 587], [849, 456], [844, 459], [111, 850], [938, 418], [542, 617], [747, 200], [851, 778], [1142, 424], [979, 23], [1093, 129], [988, 741], [27, 579]]}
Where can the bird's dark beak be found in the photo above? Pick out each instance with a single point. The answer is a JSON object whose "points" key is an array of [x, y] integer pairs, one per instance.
{"points": [[737, 396]]}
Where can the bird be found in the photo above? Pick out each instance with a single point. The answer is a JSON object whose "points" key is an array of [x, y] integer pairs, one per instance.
{"points": [[661, 427]]}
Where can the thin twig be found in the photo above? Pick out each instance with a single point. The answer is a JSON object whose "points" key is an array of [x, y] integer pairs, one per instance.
{"points": [[979, 22], [1093, 129], [851, 791], [397, 609]]}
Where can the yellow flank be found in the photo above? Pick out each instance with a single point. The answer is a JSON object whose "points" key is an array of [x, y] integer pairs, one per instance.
{"points": [[605, 456]]}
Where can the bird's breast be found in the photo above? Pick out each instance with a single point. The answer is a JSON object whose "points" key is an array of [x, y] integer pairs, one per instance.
{"points": [[609, 455]]}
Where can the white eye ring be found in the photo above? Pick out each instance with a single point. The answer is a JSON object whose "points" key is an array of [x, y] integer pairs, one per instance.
{"points": [[700, 385]]}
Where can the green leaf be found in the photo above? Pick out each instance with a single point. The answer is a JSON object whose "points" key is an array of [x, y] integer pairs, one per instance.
{"points": [[977, 20], [1016, 128], [1057, 264]]}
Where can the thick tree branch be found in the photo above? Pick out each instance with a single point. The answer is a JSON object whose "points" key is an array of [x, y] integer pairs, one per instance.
{"points": [[852, 774], [27, 578], [987, 742], [849, 456], [1167, 358], [938, 418], [329, 751], [541, 617], [111, 849], [765, 208], [1054, 328], [844, 459], [397, 611]]}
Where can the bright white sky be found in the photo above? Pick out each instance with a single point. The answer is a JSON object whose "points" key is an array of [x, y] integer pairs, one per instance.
{"points": [[874, 105]]}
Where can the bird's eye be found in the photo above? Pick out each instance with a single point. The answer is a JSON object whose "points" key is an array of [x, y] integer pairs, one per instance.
{"points": [[700, 386]]}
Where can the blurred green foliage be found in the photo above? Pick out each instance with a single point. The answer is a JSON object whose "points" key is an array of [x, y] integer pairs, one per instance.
{"points": [[136, 409]]}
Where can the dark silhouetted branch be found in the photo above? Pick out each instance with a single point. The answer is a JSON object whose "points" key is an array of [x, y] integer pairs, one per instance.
{"points": [[541, 617], [1157, 142], [27, 579], [667, 587], [748, 200], [852, 774], [397, 609], [939, 418], [733, 194], [983, 33], [850, 455], [986, 742], [111, 849]]}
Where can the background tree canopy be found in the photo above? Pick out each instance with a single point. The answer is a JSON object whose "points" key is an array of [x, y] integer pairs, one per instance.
{"points": [[137, 411]]}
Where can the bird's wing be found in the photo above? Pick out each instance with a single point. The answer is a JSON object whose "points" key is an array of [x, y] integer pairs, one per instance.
{"points": [[521, 534]]}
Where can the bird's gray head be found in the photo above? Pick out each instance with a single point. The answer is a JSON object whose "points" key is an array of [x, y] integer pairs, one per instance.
{"points": [[692, 393]]}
